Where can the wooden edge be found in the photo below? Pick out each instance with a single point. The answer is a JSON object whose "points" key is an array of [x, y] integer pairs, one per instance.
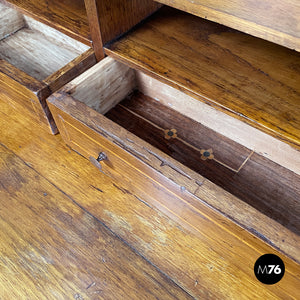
{"points": [[26, 85], [184, 182], [44, 20], [208, 101], [233, 128], [95, 28], [240, 24], [71, 70], [15, 23], [40, 89]]}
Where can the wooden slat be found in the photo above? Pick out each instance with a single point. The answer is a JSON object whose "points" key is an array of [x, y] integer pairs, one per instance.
{"points": [[94, 22], [258, 18], [251, 79], [68, 16], [118, 16]]}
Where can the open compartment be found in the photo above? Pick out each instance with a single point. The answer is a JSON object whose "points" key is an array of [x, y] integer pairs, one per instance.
{"points": [[164, 151], [67, 16], [36, 60]]}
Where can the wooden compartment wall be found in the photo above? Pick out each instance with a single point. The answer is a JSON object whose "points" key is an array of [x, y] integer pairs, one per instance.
{"points": [[35, 61]]}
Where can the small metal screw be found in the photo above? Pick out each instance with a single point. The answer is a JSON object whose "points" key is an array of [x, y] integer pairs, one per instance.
{"points": [[101, 157]]}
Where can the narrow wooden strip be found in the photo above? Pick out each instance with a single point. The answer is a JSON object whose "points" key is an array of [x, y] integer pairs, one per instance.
{"points": [[94, 22]]}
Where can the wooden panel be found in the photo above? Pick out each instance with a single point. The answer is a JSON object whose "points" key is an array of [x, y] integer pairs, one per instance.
{"points": [[39, 50], [68, 16], [258, 18], [52, 248], [248, 78], [10, 21], [118, 16], [104, 85], [185, 258], [271, 189], [19, 88], [165, 183]]}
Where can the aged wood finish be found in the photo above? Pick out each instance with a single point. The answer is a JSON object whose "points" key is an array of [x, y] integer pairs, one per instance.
{"points": [[166, 185], [138, 154], [248, 78], [94, 22], [53, 248], [274, 20], [68, 16], [26, 94], [118, 16], [10, 21], [36, 60], [185, 258], [233, 128], [269, 188], [104, 85]]}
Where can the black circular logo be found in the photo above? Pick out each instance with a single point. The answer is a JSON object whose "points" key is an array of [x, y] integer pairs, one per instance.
{"points": [[269, 269]]}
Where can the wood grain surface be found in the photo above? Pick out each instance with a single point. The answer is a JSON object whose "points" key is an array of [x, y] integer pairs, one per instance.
{"points": [[34, 53], [35, 61], [274, 20], [68, 16], [248, 78], [25, 94], [273, 190], [94, 23], [51, 247], [238, 131], [116, 17], [151, 177]]}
